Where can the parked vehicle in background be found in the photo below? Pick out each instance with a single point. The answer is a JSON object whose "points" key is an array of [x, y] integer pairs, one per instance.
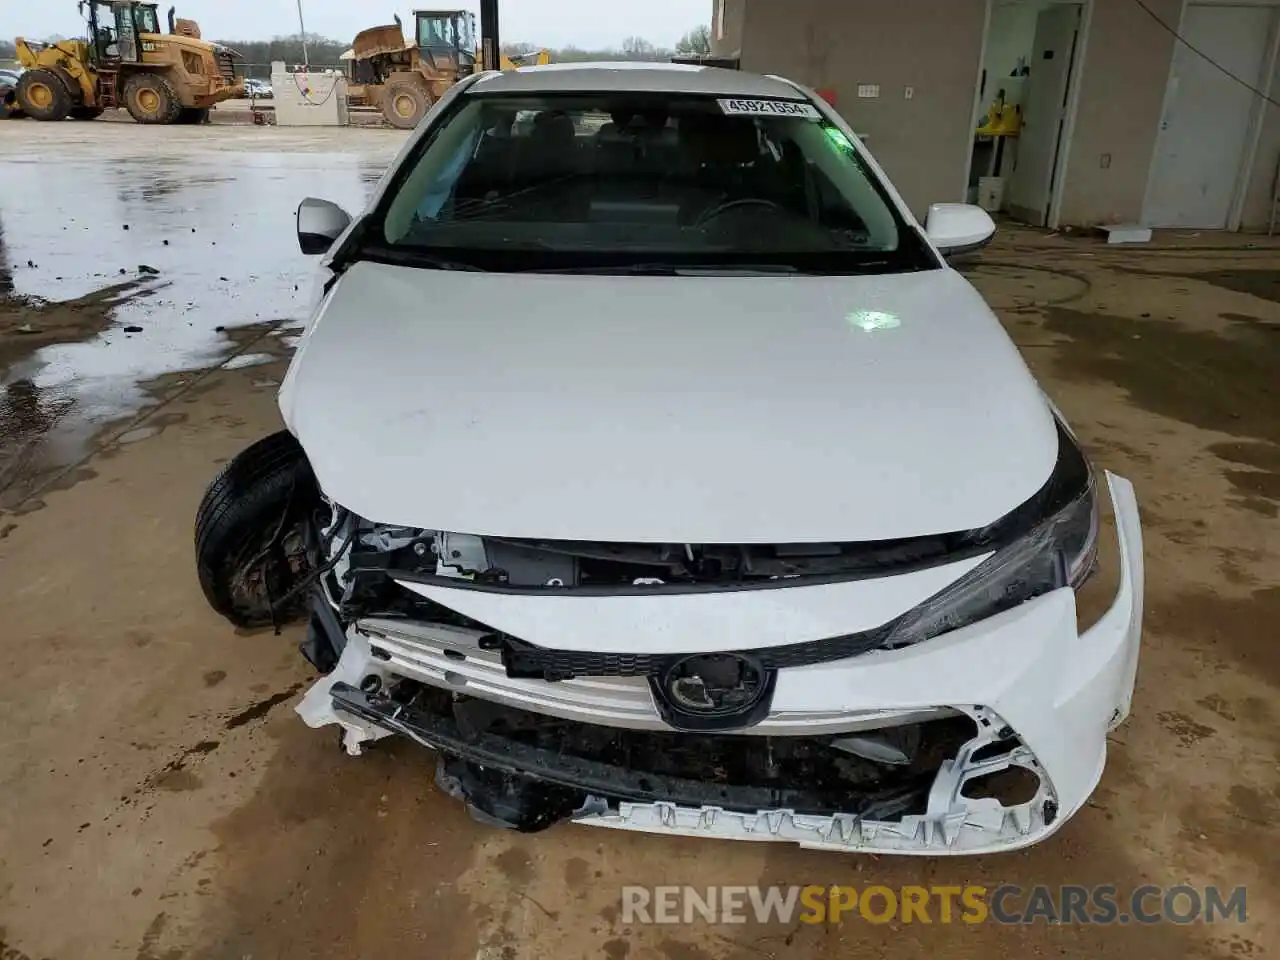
{"points": [[734, 513], [9, 108], [257, 89]]}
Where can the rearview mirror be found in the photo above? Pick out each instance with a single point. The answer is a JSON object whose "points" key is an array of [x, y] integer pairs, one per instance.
{"points": [[958, 228], [319, 224]]}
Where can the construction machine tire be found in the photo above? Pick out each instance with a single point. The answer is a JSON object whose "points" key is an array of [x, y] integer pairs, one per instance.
{"points": [[150, 98], [404, 103], [193, 115], [86, 113], [43, 95]]}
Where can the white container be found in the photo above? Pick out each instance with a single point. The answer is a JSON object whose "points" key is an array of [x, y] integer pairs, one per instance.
{"points": [[991, 193], [304, 99]]}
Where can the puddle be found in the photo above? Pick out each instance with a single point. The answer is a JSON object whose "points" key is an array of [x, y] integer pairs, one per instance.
{"points": [[1254, 281], [83, 328], [1224, 382], [1264, 284], [1259, 484]]}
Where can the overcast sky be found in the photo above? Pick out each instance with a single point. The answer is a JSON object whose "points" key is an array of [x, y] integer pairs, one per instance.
{"points": [[552, 23]]}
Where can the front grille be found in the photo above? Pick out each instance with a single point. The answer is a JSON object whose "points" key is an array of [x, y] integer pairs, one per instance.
{"points": [[801, 774], [525, 660]]}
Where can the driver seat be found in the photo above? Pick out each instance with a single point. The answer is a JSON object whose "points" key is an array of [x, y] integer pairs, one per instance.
{"points": [[720, 154]]}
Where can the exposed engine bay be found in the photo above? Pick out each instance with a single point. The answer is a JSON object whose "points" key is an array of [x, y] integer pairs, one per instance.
{"points": [[566, 564]]}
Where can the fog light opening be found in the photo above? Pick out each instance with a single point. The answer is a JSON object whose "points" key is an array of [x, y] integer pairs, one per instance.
{"points": [[1012, 786]]}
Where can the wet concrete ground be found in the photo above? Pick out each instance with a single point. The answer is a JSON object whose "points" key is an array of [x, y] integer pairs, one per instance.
{"points": [[160, 800], [146, 262]]}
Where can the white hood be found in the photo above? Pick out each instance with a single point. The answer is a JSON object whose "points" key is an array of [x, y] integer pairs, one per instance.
{"points": [[671, 409]]}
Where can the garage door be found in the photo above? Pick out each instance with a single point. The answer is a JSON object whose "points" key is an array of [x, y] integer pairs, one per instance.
{"points": [[1204, 132]]}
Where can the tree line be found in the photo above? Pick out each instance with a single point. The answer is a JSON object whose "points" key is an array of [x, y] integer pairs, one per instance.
{"points": [[696, 41], [258, 55], [322, 52]]}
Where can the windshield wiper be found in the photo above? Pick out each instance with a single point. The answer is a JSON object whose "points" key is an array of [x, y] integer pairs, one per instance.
{"points": [[415, 258]]}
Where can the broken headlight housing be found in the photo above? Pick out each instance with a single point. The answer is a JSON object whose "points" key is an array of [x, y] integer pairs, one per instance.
{"points": [[1057, 552]]}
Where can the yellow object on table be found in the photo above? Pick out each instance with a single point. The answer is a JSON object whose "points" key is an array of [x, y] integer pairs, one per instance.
{"points": [[1003, 120]]}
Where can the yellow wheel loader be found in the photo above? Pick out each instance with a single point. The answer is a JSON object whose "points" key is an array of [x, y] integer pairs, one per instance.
{"points": [[404, 79], [127, 62]]}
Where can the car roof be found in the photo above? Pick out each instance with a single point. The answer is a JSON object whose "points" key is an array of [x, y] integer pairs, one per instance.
{"points": [[635, 75]]}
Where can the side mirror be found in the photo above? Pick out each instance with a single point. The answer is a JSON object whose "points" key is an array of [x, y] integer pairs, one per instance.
{"points": [[319, 224], [958, 228]]}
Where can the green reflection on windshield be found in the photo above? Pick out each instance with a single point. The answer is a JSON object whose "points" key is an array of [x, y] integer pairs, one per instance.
{"points": [[836, 136]]}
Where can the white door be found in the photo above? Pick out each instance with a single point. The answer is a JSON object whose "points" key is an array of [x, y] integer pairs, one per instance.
{"points": [[1044, 108], [1204, 130]]}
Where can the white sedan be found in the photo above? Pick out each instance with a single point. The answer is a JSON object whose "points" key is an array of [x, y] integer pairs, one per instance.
{"points": [[257, 89], [648, 462]]}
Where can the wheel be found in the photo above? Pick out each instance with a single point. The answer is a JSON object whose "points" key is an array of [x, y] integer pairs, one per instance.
{"points": [[150, 98], [43, 95], [405, 103], [86, 113], [193, 115], [251, 532]]}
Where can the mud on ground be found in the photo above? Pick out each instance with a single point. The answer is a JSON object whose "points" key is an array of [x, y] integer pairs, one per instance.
{"points": [[162, 801]]}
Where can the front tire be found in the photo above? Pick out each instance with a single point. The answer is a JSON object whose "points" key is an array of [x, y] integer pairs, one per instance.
{"points": [[251, 532], [404, 103], [43, 95], [150, 98]]}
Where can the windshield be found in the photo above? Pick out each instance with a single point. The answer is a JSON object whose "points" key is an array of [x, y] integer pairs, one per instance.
{"points": [[436, 31], [651, 179], [466, 32], [145, 17]]}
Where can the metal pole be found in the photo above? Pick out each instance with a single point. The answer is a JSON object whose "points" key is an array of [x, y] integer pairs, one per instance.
{"points": [[306, 61], [490, 41]]}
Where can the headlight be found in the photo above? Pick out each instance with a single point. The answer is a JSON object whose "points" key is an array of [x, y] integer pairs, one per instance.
{"points": [[1058, 552]]}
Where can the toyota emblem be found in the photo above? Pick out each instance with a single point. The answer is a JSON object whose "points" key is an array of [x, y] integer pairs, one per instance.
{"points": [[713, 684]]}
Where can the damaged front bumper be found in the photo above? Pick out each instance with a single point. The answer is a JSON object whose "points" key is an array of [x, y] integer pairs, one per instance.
{"points": [[1037, 698]]}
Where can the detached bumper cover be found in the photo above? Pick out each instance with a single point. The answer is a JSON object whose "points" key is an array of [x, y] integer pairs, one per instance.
{"points": [[1026, 675]]}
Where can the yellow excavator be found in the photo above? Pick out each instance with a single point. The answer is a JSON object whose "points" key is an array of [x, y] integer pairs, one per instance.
{"points": [[126, 61], [404, 79]]}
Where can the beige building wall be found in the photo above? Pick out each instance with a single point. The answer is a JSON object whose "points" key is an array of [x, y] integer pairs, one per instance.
{"points": [[1126, 66], [1256, 211], [726, 27], [932, 46]]}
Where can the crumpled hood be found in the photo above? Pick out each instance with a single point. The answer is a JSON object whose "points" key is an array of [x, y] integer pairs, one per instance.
{"points": [[670, 409]]}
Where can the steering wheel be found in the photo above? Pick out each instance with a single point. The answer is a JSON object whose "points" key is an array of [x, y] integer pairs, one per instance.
{"points": [[740, 204]]}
